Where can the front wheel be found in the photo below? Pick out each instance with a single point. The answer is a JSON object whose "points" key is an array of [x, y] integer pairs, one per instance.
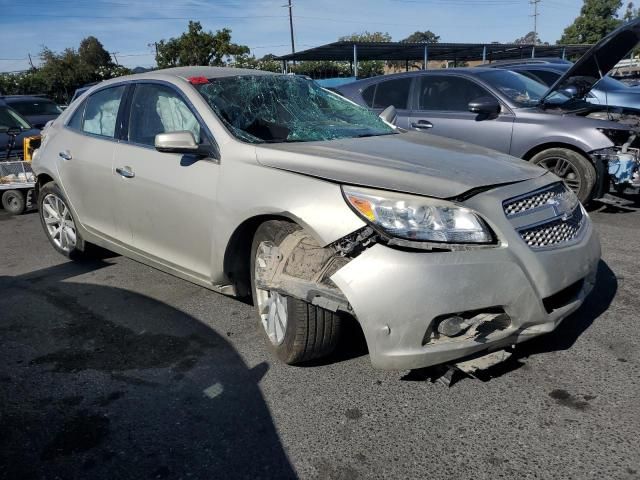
{"points": [[58, 222], [577, 171], [296, 331]]}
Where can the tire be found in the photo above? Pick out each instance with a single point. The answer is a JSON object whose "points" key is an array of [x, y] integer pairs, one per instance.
{"points": [[13, 202], [310, 332], [67, 241], [576, 170]]}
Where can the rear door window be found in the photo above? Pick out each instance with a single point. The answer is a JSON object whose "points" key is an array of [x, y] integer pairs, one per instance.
{"points": [[75, 122], [393, 92], [101, 112], [448, 93], [158, 109]]}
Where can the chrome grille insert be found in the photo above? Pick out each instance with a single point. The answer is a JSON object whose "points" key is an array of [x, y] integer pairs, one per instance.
{"points": [[554, 232], [533, 200]]}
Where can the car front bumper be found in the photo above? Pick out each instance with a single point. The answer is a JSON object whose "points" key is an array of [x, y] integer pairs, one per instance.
{"points": [[396, 295]]}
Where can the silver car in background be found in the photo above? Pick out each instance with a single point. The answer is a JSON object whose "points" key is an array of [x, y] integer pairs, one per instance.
{"points": [[250, 183], [589, 146]]}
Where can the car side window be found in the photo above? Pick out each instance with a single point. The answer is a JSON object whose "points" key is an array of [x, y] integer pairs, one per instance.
{"points": [[548, 78], [367, 95], [392, 92], [158, 109], [448, 93], [101, 112], [75, 122]]}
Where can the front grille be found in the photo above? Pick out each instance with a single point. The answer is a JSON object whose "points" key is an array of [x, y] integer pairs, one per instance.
{"points": [[533, 200], [554, 232]]}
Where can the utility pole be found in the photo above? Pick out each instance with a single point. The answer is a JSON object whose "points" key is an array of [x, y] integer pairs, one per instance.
{"points": [[115, 58], [535, 19], [30, 61], [293, 46]]}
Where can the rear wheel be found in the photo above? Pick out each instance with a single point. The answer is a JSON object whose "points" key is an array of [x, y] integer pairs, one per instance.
{"points": [[577, 171], [296, 331], [13, 202], [58, 222]]}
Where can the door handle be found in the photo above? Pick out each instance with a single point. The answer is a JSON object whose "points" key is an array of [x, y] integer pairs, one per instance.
{"points": [[422, 125], [125, 172], [65, 155]]}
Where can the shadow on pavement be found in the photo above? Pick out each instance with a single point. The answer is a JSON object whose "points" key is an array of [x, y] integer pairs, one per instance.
{"points": [[100, 382]]}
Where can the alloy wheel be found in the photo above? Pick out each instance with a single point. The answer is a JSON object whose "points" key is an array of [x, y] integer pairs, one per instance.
{"points": [[59, 222], [563, 169], [272, 306]]}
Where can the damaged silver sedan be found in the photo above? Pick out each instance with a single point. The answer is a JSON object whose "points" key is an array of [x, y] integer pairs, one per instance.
{"points": [[266, 185]]}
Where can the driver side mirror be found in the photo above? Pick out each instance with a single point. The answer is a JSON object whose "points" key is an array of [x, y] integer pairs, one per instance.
{"points": [[485, 106], [389, 115], [182, 142]]}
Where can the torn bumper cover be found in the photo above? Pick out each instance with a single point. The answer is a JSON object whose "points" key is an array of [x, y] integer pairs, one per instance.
{"points": [[399, 297]]}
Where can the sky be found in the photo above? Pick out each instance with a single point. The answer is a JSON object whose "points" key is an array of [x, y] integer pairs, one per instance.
{"points": [[127, 28]]}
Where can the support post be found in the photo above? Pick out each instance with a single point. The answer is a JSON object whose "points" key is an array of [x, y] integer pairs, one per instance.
{"points": [[533, 52], [426, 57], [406, 65], [355, 61], [284, 66], [484, 54], [564, 53]]}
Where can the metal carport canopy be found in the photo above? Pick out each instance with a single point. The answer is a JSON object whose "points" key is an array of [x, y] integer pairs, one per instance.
{"points": [[344, 51]]}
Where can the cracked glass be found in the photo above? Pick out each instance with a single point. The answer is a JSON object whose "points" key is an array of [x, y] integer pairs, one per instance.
{"points": [[279, 108]]}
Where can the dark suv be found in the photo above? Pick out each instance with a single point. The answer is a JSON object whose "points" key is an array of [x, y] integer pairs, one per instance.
{"points": [[13, 125], [37, 110]]}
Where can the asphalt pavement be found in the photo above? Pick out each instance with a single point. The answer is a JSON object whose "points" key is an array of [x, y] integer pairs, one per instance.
{"points": [[111, 369]]}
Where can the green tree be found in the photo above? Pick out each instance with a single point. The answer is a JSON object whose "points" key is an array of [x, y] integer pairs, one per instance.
{"points": [[59, 74], [597, 18], [631, 12], [528, 39], [422, 37], [368, 68], [197, 47], [267, 63]]}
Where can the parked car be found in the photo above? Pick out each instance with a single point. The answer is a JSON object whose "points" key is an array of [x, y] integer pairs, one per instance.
{"points": [[252, 183], [606, 91], [13, 130], [36, 109], [81, 90], [586, 145]]}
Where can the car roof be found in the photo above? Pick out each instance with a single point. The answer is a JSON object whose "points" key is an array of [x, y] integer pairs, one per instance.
{"points": [[39, 98], [556, 67], [413, 73], [188, 72]]}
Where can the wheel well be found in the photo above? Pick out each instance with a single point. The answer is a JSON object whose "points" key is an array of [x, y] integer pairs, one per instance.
{"points": [[237, 256], [545, 146], [42, 180]]}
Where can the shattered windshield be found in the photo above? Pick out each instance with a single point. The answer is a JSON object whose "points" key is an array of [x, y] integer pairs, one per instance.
{"points": [[522, 91], [279, 108]]}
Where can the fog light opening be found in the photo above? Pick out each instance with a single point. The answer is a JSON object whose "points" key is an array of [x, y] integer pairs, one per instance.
{"points": [[465, 325]]}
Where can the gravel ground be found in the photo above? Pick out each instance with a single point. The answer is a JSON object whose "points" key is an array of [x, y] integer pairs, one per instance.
{"points": [[111, 369]]}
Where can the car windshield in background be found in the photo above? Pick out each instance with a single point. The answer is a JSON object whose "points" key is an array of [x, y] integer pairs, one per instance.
{"points": [[278, 108], [521, 90], [9, 119], [36, 107]]}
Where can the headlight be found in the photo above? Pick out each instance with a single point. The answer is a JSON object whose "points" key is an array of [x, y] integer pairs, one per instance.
{"points": [[418, 218]]}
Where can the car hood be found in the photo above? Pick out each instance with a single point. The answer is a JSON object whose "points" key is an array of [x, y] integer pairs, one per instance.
{"points": [[599, 59], [418, 163]]}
